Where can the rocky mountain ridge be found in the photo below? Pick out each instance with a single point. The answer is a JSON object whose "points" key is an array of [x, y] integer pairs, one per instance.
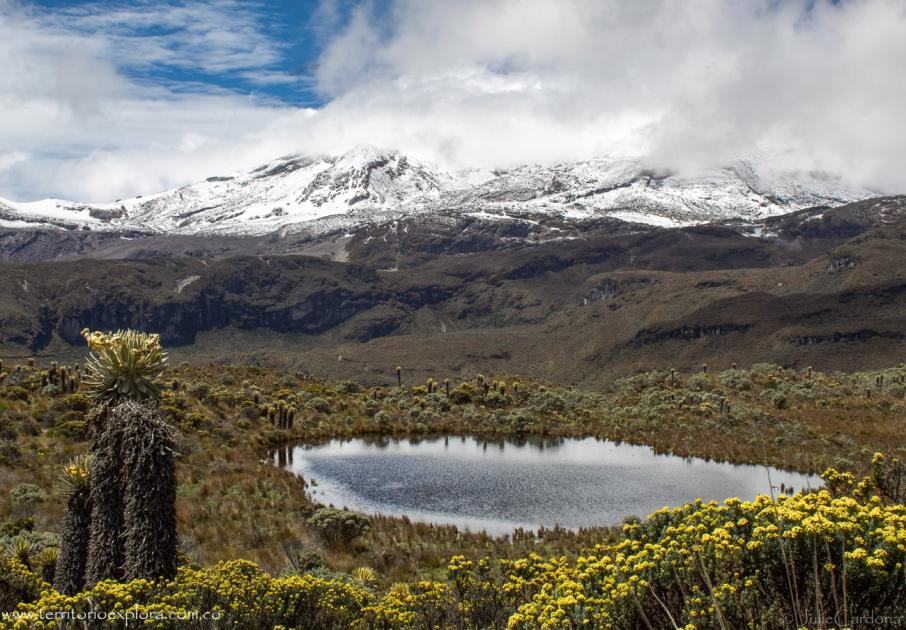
{"points": [[825, 289], [366, 187]]}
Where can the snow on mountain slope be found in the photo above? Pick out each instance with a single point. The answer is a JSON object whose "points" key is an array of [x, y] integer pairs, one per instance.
{"points": [[365, 186], [295, 190]]}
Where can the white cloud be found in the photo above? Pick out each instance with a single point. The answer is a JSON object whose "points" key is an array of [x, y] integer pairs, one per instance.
{"points": [[10, 159], [92, 133], [213, 37], [687, 83], [477, 82]]}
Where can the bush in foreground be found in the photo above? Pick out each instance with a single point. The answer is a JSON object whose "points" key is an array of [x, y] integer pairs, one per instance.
{"points": [[767, 563], [760, 564]]}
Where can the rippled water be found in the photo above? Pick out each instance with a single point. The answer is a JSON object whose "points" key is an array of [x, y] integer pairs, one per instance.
{"points": [[496, 486]]}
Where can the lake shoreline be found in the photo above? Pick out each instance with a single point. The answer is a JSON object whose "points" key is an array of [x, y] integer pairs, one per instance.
{"points": [[392, 476]]}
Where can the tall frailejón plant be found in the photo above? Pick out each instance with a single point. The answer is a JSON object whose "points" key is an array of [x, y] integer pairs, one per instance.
{"points": [[133, 489], [105, 549], [149, 505], [75, 480]]}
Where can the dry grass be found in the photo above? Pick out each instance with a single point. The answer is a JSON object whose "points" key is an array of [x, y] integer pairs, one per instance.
{"points": [[233, 503]]}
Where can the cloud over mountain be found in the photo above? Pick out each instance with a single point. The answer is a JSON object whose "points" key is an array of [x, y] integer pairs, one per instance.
{"points": [[810, 84]]}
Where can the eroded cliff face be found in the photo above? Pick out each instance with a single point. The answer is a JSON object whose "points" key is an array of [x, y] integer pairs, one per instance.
{"points": [[579, 309], [179, 322], [180, 298]]}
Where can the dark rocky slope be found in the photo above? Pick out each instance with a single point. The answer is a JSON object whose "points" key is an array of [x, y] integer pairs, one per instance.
{"points": [[608, 301]]}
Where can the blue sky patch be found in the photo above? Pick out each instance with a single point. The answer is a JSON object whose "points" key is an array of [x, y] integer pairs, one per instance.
{"points": [[264, 49]]}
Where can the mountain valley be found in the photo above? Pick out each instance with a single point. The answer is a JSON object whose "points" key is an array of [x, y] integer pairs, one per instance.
{"points": [[820, 287]]}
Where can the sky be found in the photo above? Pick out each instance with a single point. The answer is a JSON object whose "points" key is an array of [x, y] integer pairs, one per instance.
{"points": [[105, 99]]}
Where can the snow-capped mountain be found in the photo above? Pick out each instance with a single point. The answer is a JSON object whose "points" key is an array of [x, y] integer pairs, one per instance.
{"points": [[366, 186]]}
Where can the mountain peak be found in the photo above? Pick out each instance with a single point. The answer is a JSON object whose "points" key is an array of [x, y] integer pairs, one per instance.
{"points": [[367, 184], [364, 153]]}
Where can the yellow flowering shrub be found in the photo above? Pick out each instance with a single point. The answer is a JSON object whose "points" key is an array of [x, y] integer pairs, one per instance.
{"points": [[761, 563], [482, 599], [422, 604], [17, 583], [234, 594], [793, 561]]}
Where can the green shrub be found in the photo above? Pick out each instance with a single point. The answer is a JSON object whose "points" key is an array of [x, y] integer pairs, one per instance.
{"points": [[464, 393], [15, 392], [496, 399], [304, 560], [349, 387], [547, 401], [73, 429], [200, 391], [73, 402], [700, 382], [51, 391], [382, 418], [338, 528], [17, 584], [735, 379], [14, 526], [888, 475], [171, 414], [779, 400], [7, 430], [250, 411], [9, 452], [519, 420], [193, 419], [318, 404], [27, 495], [69, 416]]}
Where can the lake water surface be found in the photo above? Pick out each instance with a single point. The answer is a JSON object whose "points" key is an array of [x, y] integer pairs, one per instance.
{"points": [[497, 486]]}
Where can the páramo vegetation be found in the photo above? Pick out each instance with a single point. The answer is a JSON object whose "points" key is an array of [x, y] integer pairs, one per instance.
{"points": [[127, 485]]}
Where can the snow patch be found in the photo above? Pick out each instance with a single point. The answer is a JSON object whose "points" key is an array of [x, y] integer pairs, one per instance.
{"points": [[184, 282], [366, 186]]}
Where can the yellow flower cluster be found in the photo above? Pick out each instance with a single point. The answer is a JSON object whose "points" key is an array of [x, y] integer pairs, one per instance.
{"points": [[725, 565], [74, 476], [422, 604], [239, 594], [101, 342], [233, 594], [76, 472], [741, 564], [17, 583]]}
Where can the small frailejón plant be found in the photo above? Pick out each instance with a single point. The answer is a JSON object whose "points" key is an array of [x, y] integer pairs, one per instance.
{"points": [[75, 480], [133, 478], [46, 561]]}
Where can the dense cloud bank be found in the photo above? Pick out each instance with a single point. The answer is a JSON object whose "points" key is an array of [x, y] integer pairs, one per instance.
{"points": [[809, 85]]}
